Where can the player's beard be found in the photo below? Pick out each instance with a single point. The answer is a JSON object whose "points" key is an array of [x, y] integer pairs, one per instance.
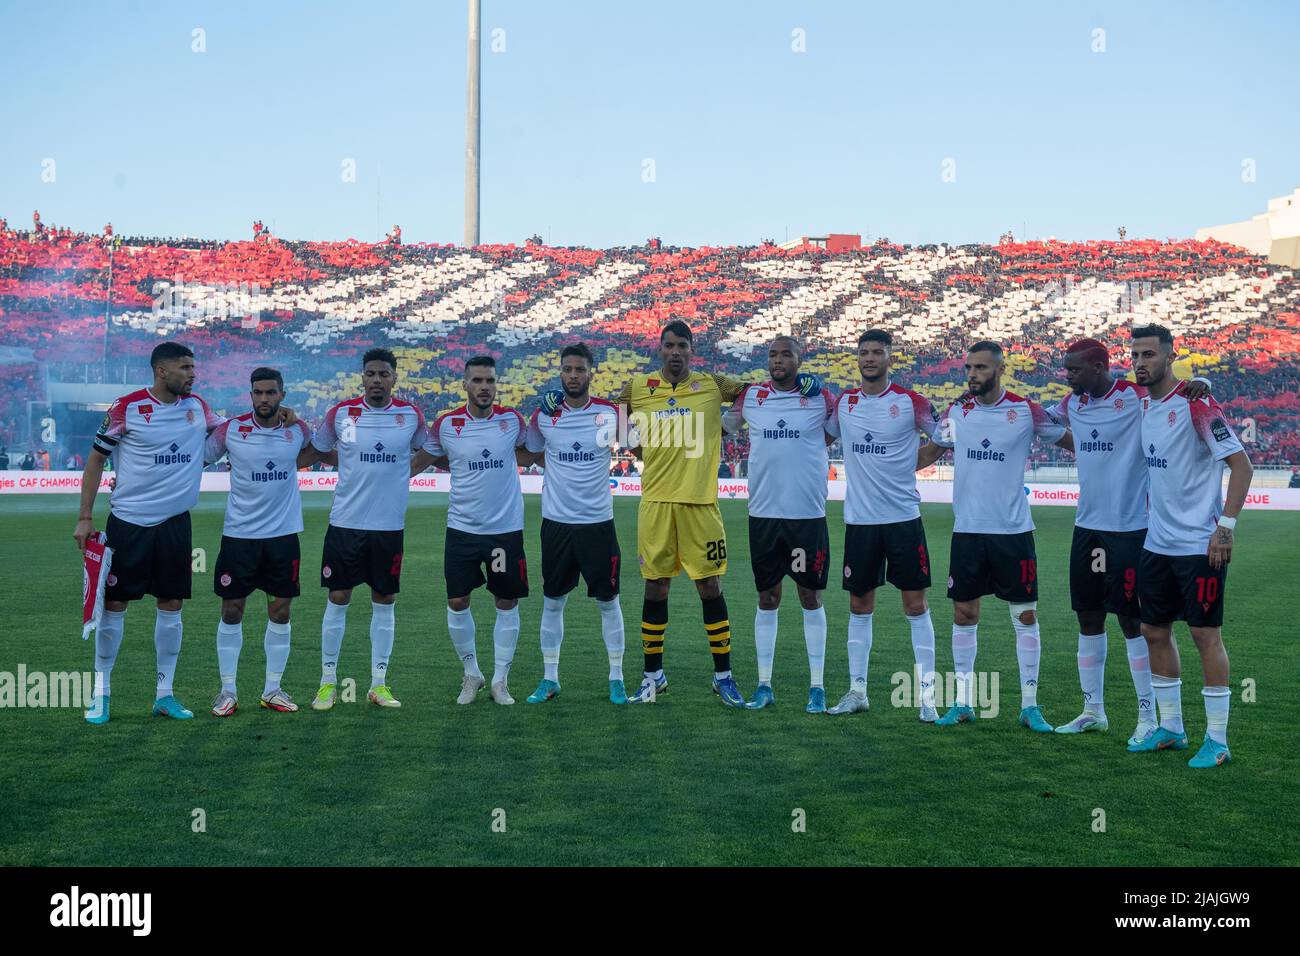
{"points": [[983, 388], [578, 395], [781, 380], [270, 416]]}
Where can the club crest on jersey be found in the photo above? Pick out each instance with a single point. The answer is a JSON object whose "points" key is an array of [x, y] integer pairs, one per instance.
{"points": [[652, 384], [458, 424], [146, 412], [1119, 404], [1011, 415], [893, 411], [695, 386], [399, 418], [1173, 417], [225, 580], [326, 572], [189, 416], [803, 402], [600, 418], [503, 425], [759, 396]]}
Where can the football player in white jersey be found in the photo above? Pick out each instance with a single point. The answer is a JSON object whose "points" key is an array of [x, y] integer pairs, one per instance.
{"points": [[573, 442], [259, 543], [991, 432], [1184, 563], [1104, 415], [373, 436], [155, 437], [787, 510], [879, 424], [481, 443]]}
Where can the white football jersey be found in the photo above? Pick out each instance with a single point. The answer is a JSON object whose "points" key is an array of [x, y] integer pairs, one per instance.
{"points": [[1108, 452], [157, 452], [264, 500], [486, 495], [374, 446], [991, 445], [1185, 445], [577, 442], [788, 462], [880, 435]]}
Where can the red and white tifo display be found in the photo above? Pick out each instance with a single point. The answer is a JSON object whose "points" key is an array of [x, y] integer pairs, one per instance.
{"points": [[936, 492]]}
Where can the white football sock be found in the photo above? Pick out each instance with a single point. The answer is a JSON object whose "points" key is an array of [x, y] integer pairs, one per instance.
{"points": [[814, 638], [1092, 672], [1169, 698], [552, 635], [383, 629], [108, 641], [331, 639], [965, 645], [859, 651], [505, 637], [923, 651], [1029, 647], [460, 624], [1139, 665], [611, 629], [276, 644], [167, 633], [1217, 700], [230, 640], [765, 642]]}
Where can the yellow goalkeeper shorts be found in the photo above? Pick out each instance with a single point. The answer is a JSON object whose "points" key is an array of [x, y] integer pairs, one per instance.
{"points": [[671, 536]]}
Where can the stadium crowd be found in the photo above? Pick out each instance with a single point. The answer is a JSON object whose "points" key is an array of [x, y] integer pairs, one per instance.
{"points": [[88, 307]]}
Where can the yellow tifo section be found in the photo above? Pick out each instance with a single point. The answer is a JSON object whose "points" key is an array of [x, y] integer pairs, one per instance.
{"points": [[436, 388]]}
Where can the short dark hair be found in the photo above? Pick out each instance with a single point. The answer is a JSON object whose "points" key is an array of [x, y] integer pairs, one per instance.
{"points": [[984, 345], [379, 355], [798, 346], [1154, 332], [166, 351], [483, 360], [676, 327], [579, 349], [877, 335], [265, 374]]}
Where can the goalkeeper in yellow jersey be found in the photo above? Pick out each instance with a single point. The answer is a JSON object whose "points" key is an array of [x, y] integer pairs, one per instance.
{"points": [[677, 414]]}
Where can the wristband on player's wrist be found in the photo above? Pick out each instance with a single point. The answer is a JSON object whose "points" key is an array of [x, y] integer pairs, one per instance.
{"points": [[1226, 522]]}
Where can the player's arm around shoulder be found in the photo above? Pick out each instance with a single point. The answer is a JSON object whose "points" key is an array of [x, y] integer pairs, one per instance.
{"points": [[533, 451], [733, 419], [1047, 428], [626, 409]]}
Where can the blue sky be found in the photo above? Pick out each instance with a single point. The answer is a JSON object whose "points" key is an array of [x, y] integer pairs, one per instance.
{"points": [[749, 139]]}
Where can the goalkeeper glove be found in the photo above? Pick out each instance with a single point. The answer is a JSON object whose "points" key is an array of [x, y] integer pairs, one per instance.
{"points": [[551, 401], [809, 386]]}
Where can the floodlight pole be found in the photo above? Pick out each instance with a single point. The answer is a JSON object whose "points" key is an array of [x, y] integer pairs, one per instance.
{"points": [[472, 128]]}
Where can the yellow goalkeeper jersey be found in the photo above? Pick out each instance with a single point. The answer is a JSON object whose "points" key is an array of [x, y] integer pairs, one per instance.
{"points": [[681, 433]]}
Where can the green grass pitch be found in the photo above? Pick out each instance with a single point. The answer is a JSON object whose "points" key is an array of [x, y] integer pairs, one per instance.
{"points": [[686, 781]]}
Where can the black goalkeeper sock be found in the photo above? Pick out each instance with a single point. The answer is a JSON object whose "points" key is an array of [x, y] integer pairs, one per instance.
{"points": [[654, 622], [718, 629]]}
